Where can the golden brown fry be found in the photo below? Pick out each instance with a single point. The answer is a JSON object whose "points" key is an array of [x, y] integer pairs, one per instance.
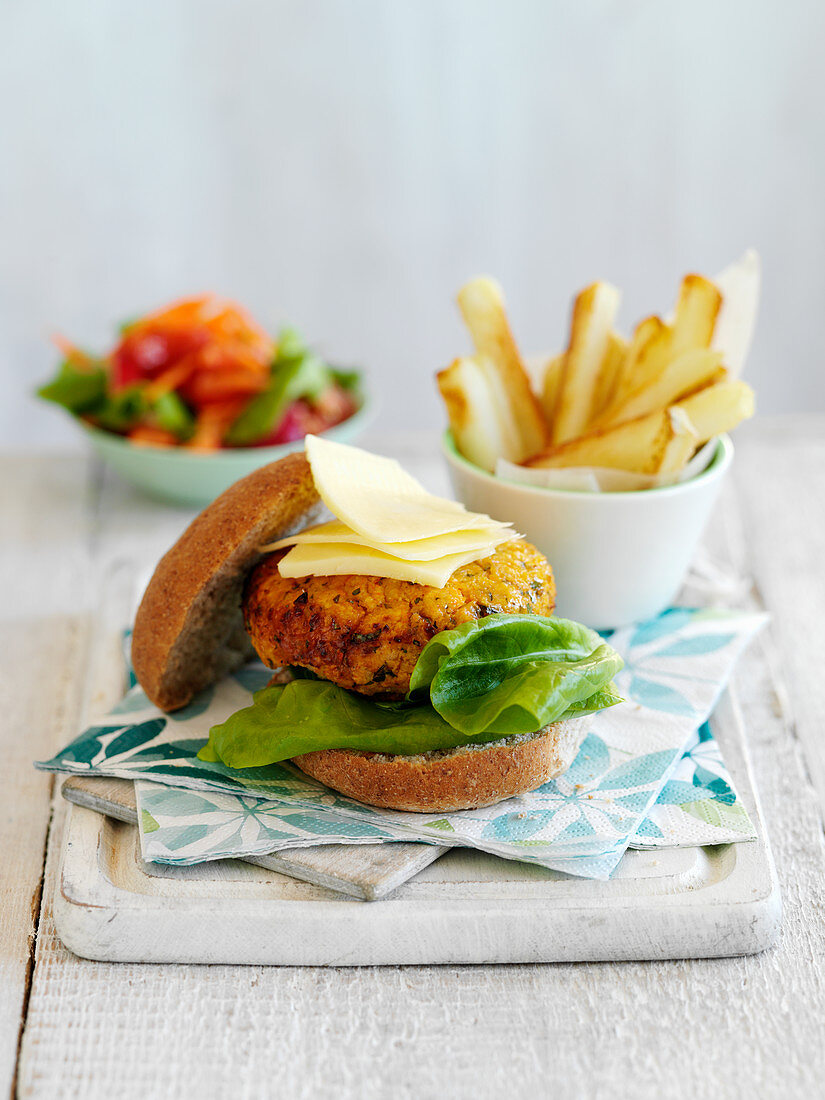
{"points": [[696, 311], [641, 406], [681, 445], [650, 341], [609, 373], [718, 408], [594, 311], [550, 385], [678, 377], [474, 408], [482, 306], [640, 445]]}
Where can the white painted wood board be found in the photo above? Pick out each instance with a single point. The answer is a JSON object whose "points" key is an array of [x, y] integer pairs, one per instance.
{"points": [[782, 490], [44, 634], [364, 871], [468, 907]]}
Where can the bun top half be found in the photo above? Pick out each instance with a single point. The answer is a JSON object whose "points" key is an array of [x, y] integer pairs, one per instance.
{"points": [[189, 630]]}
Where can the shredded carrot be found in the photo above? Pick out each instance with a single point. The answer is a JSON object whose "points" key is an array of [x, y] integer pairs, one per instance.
{"points": [[207, 387], [183, 313], [226, 321], [206, 349], [212, 423], [172, 378], [145, 436], [71, 352]]}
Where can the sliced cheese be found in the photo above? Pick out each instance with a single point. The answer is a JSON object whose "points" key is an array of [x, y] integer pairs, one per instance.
{"points": [[481, 540], [386, 525], [333, 559], [381, 501]]}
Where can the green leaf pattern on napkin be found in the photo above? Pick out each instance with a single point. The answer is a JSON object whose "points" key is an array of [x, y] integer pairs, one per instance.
{"points": [[644, 776]]}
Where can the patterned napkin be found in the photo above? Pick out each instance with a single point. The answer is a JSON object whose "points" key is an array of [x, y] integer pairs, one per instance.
{"points": [[649, 772]]}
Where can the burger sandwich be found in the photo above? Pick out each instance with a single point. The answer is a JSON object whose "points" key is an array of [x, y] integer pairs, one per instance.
{"points": [[417, 662]]}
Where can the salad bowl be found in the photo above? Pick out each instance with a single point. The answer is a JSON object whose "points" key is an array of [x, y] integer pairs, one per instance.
{"points": [[195, 395], [194, 478], [618, 557]]}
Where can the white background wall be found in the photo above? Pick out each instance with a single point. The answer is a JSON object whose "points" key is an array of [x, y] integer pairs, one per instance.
{"points": [[346, 164]]}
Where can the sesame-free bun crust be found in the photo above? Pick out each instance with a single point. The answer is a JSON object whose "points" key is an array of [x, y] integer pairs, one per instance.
{"points": [[458, 779], [189, 629]]}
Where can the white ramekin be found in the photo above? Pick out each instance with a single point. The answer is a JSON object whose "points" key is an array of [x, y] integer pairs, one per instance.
{"points": [[616, 557]]}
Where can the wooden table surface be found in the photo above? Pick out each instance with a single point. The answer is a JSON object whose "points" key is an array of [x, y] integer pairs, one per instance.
{"points": [[75, 545]]}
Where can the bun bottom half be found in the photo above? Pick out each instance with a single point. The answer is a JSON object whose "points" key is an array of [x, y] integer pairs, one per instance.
{"points": [[464, 778]]}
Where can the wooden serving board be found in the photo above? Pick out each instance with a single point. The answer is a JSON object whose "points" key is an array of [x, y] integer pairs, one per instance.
{"points": [[466, 907]]}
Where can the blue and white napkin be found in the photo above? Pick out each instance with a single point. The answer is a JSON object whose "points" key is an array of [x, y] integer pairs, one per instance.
{"points": [[649, 773]]}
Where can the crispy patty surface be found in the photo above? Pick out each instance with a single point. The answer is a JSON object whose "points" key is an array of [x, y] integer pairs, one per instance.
{"points": [[366, 633]]}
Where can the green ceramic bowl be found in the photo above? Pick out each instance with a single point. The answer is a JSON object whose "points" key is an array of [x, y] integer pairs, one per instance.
{"points": [[188, 477]]}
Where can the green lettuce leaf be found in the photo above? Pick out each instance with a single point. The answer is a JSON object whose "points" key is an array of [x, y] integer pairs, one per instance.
{"points": [[122, 410], [305, 715], [77, 389], [509, 674], [291, 344], [174, 415], [84, 392], [296, 372], [349, 380], [605, 697], [502, 675]]}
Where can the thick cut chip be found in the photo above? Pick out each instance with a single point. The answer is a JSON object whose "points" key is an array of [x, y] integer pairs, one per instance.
{"points": [[646, 334], [696, 310], [482, 305], [481, 540], [680, 376], [718, 408], [335, 559], [476, 409], [550, 383], [638, 445], [650, 350], [593, 314], [680, 446], [610, 372], [378, 499]]}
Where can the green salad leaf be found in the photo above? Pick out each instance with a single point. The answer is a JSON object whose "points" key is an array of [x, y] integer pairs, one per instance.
{"points": [[174, 415], [77, 389], [511, 674], [84, 391], [305, 715], [473, 686], [349, 380], [286, 720], [121, 410], [296, 372], [291, 344]]}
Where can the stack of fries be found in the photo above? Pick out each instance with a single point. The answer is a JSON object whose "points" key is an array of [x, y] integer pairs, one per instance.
{"points": [[643, 405]]}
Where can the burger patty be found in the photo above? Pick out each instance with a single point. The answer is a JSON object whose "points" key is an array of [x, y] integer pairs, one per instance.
{"points": [[366, 633]]}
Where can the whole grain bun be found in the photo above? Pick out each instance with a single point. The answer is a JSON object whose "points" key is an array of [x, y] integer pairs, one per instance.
{"points": [[189, 630], [457, 779]]}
